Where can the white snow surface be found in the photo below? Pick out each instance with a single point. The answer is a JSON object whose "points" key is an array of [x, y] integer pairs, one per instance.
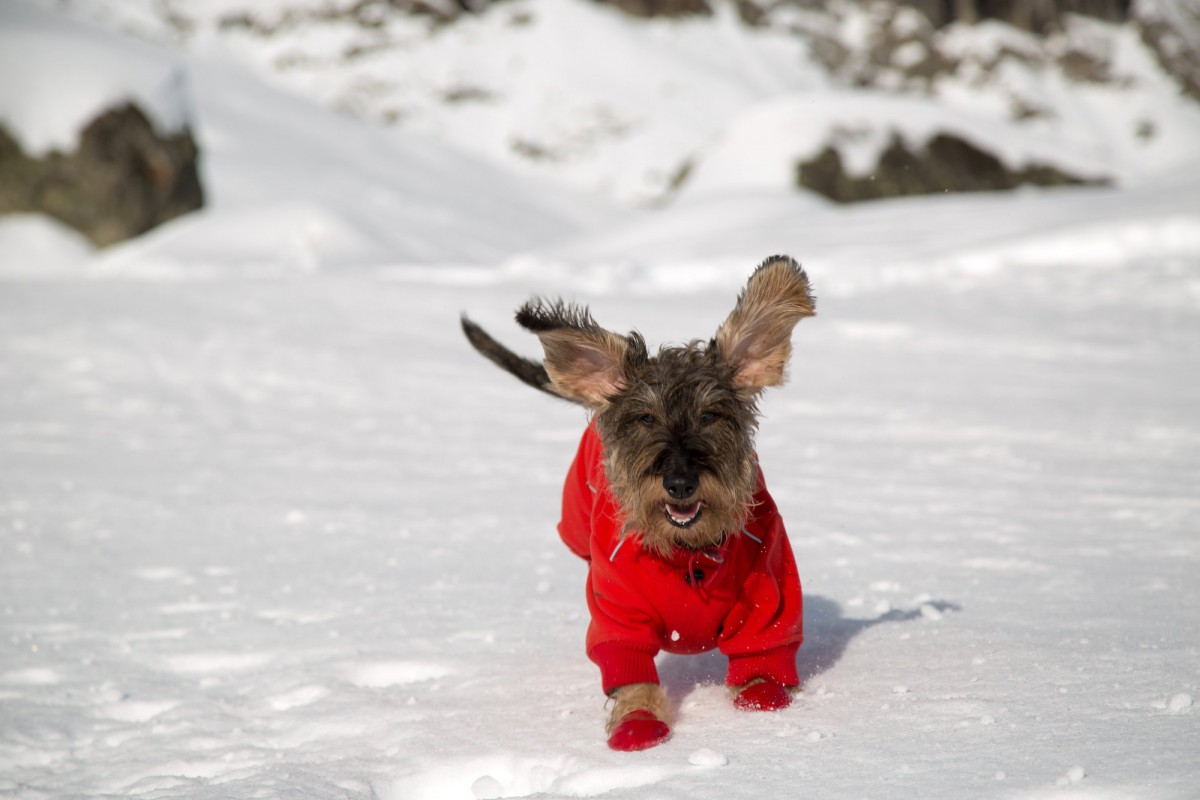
{"points": [[87, 70], [270, 528]]}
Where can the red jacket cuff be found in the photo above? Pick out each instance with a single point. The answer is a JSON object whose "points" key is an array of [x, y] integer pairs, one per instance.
{"points": [[622, 664], [778, 665]]}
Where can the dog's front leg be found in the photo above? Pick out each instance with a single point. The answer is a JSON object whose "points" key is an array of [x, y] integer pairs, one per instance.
{"points": [[639, 717], [644, 696], [761, 694]]}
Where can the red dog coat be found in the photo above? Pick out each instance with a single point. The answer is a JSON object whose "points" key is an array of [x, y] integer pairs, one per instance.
{"points": [[742, 597]]}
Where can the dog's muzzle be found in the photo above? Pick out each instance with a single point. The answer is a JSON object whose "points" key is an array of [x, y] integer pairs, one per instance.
{"points": [[683, 516]]}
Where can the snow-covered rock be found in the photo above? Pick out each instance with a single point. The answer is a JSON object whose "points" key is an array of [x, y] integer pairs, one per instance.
{"points": [[93, 127], [60, 74], [1171, 28], [766, 146], [632, 109]]}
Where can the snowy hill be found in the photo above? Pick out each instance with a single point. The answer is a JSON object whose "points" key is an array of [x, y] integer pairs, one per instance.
{"points": [[581, 93], [269, 528], [298, 188], [277, 201]]}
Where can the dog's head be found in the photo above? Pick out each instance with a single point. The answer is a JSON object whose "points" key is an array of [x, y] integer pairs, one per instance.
{"points": [[678, 427]]}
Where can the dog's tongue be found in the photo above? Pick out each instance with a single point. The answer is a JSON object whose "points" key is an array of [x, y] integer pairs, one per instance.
{"points": [[683, 513]]}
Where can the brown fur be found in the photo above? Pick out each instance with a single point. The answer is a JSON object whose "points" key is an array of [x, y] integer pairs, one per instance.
{"points": [[757, 334], [659, 420], [683, 416], [645, 696]]}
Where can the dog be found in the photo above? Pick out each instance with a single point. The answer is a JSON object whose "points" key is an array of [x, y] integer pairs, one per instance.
{"points": [[665, 499]]}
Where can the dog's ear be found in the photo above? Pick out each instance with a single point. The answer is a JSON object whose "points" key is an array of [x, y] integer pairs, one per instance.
{"points": [[585, 362], [756, 338]]}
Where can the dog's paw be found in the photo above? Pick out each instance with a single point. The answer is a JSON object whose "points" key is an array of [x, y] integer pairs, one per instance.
{"points": [[763, 695], [638, 730]]}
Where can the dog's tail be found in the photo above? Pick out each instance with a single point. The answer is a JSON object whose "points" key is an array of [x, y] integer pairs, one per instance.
{"points": [[530, 372]]}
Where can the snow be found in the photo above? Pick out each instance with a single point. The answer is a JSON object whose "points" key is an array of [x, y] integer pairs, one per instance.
{"points": [[1074, 775], [46, 246], [270, 528], [575, 93], [279, 203], [793, 128], [86, 70], [707, 758]]}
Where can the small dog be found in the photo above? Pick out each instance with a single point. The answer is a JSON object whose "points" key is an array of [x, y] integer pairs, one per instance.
{"points": [[665, 499]]}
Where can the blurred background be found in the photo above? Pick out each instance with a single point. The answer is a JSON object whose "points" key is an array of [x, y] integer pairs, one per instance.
{"points": [[498, 127]]}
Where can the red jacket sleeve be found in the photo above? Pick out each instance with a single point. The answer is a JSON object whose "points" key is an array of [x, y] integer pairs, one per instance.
{"points": [[624, 631], [575, 526], [621, 636], [765, 627]]}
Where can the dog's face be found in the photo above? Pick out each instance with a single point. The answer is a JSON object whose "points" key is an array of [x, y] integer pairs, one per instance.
{"points": [[678, 426], [678, 447]]}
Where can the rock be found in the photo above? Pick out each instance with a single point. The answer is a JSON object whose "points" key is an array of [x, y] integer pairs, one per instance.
{"points": [[1171, 29], [946, 163], [122, 180], [661, 8]]}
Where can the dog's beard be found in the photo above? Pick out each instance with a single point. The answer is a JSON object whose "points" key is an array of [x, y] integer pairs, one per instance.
{"points": [[719, 508]]}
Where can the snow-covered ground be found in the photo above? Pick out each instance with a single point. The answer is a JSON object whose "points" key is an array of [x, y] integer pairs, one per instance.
{"points": [[269, 528]]}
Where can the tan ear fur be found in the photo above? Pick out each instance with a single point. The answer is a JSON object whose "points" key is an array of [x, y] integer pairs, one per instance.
{"points": [[585, 362], [585, 366], [756, 336]]}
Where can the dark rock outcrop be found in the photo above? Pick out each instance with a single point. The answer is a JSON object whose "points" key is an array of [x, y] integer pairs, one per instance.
{"points": [[1035, 16], [661, 8], [122, 180], [945, 163]]}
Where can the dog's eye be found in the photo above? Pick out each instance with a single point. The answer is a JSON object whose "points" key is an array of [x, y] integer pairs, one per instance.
{"points": [[709, 417], [646, 419]]}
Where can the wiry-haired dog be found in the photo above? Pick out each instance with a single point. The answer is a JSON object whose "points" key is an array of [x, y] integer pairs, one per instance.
{"points": [[665, 499]]}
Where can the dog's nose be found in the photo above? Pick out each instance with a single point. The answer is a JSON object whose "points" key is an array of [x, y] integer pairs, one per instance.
{"points": [[681, 485]]}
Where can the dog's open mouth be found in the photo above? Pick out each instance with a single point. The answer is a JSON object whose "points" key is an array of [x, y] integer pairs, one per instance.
{"points": [[683, 516]]}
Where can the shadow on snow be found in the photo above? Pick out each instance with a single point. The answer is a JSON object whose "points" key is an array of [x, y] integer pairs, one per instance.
{"points": [[827, 634]]}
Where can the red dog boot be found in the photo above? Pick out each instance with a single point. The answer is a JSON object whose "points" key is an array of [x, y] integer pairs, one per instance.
{"points": [[638, 730], [765, 695]]}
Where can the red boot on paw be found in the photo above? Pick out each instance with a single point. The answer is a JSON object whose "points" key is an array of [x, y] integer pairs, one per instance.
{"points": [[763, 696], [638, 730]]}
